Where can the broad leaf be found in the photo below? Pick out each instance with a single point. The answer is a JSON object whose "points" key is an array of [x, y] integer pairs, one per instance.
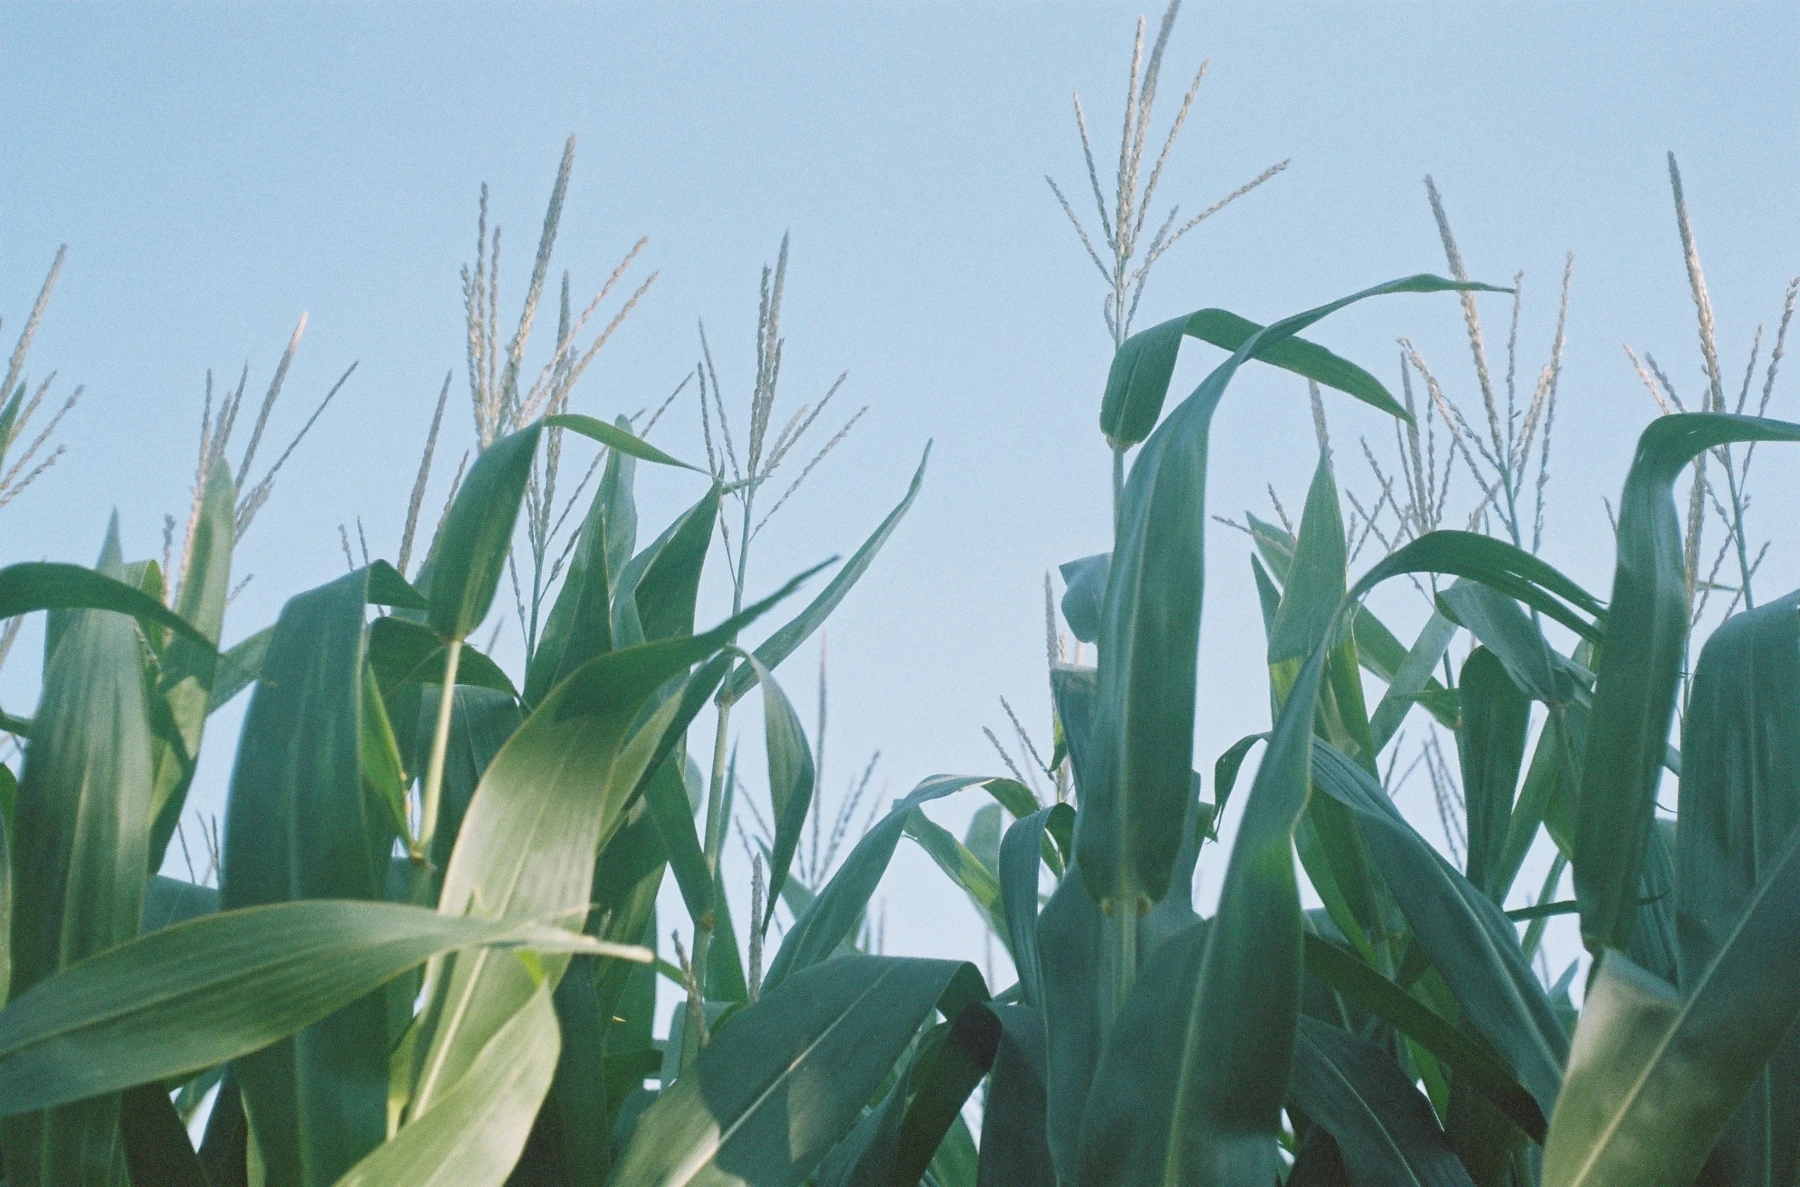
{"points": [[200, 993], [1640, 668], [787, 1077], [1150, 630]]}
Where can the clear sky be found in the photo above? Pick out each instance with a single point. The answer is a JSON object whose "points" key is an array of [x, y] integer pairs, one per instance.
{"points": [[218, 169]]}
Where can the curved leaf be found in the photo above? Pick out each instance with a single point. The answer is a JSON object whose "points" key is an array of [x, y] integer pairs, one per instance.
{"points": [[1021, 852], [614, 437], [197, 994], [1740, 802], [1495, 719], [1385, 1130], [1640, 668], [49, 585], [473, 1135], [787, 1077], [1149, 635], [1138, 382]]}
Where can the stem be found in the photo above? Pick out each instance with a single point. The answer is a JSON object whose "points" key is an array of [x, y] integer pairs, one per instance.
{"points": [[1124, 920], [714, 839], [1118, 490], [440, 745]]}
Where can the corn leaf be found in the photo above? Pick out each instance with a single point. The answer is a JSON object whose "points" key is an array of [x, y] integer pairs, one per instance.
{"points": [[1491, 743], [786, 1078], [1015, 1148], [1640, 668], [473, 1135], [1138, 382], [470, 552], [614, 437], [1149, 635], [1740, 803], [83, 819], [299, 824], [192, 996], [1384, 1128], [1021, 852], [837, 908]]}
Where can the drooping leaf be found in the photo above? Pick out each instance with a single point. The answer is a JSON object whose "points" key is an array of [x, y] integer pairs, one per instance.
{"points": [[240, 668], [1085, 590], [776, 1088], [50, 585], [1640, 668], [401, 650], [1150, 630], [614, 437], [962, 868], [1020, 856], [200, 993], [1383, 1126], [1491, 742], [1138, 383]]}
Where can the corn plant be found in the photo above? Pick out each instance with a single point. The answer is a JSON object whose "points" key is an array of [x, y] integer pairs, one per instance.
{"points": [[431, 956]]}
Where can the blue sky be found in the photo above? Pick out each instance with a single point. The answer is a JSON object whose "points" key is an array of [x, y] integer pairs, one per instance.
{"points": [[216, 170]]}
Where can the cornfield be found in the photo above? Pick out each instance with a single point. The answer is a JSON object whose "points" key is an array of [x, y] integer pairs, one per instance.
{"points": [[423, 947]]}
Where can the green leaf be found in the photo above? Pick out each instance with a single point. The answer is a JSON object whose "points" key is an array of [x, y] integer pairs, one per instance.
{"points": [[473, 1135], [790, 781], [192, 996], [168, 901], [470, 553], [1491, 742], [189, 671], [1410, 678], [556, 792], [1464, 933], [1138, 383], [242, 665], [1084, 592], [779, 1085], [1074, 960], [961, 867], [614, 437], [790, 635], [1514, 640], [942, 1086], [1384, 1128], [401, 650], [835, 911], [1225, 773], [299, 824], [579, 625], [1015, 1148], [1150, 630], [1640, 669], [1345, 973], [83, 825], [1020, 854], [667, 587], [49, 585], [1740, 803]]}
